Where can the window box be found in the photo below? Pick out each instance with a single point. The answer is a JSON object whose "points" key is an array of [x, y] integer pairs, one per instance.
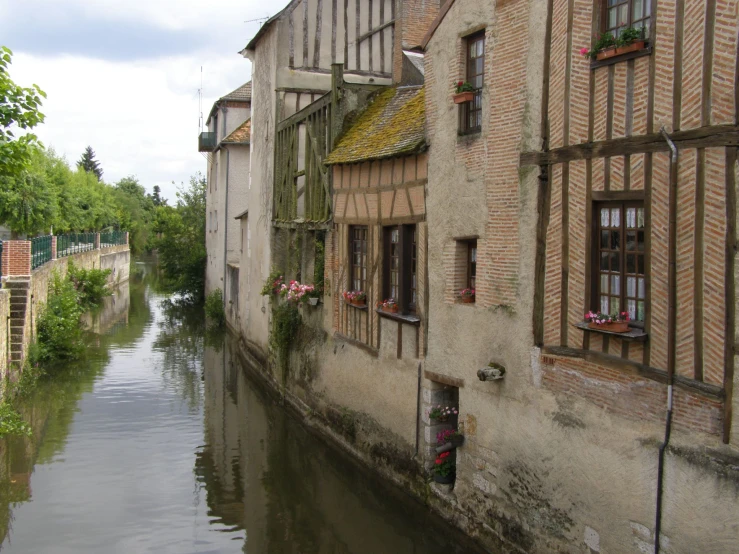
{"points": [[633, 47], [357, 304], [390, 309], [462, 97], [635, 334], [410, 319], [614, 327], [467, 299]]}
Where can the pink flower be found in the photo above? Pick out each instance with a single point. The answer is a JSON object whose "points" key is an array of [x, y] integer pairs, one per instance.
{"points": [[584, 51]]}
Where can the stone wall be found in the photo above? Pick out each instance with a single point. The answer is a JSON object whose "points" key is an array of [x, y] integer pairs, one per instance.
{"points": [[4, 331], [28, 293]]}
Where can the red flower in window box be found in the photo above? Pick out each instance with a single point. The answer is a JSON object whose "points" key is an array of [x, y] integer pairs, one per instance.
{"points": [[389, 305], [614, 323], [467, 296], [355, 297], [465, 92]]}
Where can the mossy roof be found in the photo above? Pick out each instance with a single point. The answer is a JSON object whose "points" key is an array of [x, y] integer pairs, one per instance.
{"points": [[240, 134], [394, 124]]}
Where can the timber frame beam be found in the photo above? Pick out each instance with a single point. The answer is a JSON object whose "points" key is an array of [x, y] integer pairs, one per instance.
{"points": [[702, 137]]}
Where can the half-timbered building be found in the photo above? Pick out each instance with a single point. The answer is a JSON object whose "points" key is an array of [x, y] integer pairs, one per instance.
{"points": [[296, 56], [571, 181], [571, 184]]}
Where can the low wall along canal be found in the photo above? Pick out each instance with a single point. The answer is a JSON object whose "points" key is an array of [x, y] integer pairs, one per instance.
{"points": [[161, 441], [27, 269]]}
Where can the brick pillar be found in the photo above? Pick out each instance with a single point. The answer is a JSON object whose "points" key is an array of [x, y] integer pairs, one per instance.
{"points": [[16, 258], [53, 247], [97, 241]]}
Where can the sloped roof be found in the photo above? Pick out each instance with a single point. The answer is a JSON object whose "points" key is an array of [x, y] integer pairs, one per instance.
{"points": [[241, 134], [241, 94], [393, 125], [435, 25], [267, 24], [416, 59]]}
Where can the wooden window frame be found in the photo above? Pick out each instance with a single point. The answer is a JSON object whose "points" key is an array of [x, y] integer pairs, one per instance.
{"points": [[407, 260], [356, 239], [471, 276], [467, 108], [595, 259], [646, 20]]}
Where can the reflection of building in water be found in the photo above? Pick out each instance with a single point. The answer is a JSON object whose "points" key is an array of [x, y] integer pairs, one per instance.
{"points": [[265, 473], [112, 313]]}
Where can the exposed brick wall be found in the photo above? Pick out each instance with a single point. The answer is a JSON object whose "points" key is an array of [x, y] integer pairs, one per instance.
{"points": [[376, 194], [417, 18], [629, 84], [16, 258], [629, 395]]}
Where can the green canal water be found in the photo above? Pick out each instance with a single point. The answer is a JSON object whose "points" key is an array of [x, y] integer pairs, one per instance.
{"points": [[160, 442]]}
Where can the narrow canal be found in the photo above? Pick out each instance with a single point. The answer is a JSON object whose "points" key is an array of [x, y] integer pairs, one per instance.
{"points": [[160, 442]]}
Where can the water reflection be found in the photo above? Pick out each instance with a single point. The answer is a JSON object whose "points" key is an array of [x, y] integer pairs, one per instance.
{"points": [[292, 493], [160, 442]]}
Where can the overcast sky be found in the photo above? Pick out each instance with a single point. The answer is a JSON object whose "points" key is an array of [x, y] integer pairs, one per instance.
{"points": [[123, 76]]}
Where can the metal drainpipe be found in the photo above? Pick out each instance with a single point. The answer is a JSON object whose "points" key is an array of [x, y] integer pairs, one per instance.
{"points": [[671, 321], [225, 233]]}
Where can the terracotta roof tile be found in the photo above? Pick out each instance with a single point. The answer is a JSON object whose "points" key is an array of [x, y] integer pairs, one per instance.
{"points": [[392, 125], [241, 133]]}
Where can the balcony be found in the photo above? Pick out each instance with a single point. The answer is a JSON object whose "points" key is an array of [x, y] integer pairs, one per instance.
{"points": [[206, 142]]}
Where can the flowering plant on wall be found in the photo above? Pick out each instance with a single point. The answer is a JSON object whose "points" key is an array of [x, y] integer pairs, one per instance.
{"points": [[443, 465], [616, 323], [357, 297], [295, 292], [273, 284], [449, 435], [442, 413], [388, 305], [599, 318], [463, 86]]}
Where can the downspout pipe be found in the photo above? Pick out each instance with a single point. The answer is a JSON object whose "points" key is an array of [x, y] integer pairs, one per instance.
{"points": [[225, 232], [671, 326]]}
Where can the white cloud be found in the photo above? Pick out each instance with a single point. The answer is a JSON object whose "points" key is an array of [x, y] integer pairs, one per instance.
{"points": [[140, 117]]}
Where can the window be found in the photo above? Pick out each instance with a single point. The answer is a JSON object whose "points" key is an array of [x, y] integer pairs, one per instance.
{"points": [[401, 266], [619, 258], [622, 14], [471, 112], [358, 257], [471, 263]]}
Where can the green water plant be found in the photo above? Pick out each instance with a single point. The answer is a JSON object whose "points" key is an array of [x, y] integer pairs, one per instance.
{"points": [[59, 334], [91, 284], [214, 308], [286, 321]]}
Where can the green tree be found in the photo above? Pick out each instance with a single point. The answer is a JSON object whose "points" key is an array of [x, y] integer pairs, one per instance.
{"points": [[89, 164], [27, 203], [156, 196], [134, 211], [181, 242], [19, 107]]}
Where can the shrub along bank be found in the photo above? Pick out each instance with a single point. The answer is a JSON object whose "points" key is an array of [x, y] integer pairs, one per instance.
{"points": [[58, 337]]}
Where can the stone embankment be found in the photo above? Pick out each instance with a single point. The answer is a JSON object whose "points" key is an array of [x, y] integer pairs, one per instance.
{"points": [[25, 288]]}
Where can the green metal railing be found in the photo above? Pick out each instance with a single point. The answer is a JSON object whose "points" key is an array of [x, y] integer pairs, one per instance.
{"points": [[112, 238], [74, 243], [40, 251]]}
